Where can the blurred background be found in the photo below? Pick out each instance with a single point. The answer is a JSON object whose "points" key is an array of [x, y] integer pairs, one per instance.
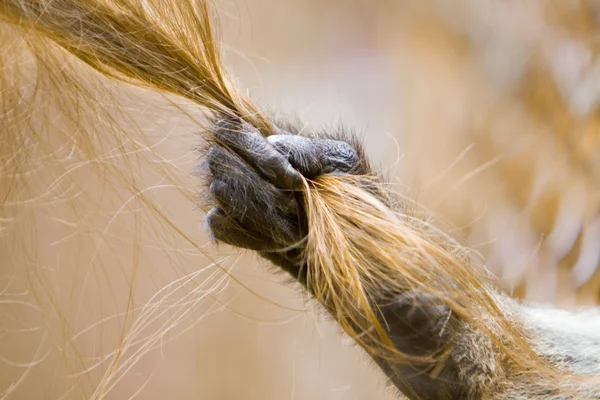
{"points": [[484, 111]]}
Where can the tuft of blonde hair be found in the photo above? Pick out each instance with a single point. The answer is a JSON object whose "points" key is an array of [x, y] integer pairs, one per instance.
{"points": [[358, 248]]}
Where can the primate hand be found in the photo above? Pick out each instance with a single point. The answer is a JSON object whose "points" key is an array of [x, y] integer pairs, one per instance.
{"points": [[255, 181], [255, 184]]}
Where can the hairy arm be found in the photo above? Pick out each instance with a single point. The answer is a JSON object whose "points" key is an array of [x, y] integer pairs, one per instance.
{"points": [[256, 188]]}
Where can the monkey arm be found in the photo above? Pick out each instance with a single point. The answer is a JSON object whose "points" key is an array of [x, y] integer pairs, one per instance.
{"points": [[254, 186]]}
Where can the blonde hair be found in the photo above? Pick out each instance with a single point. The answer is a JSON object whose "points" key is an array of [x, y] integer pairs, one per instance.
{"points": [[357, 246]]}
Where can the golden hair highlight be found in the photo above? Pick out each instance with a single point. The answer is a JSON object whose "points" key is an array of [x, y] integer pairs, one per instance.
{"points": [[357, 246]]}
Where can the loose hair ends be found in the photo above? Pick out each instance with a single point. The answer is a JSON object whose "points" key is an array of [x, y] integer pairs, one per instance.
{"points": [[168, 46], [362, 254], [357, 246]]}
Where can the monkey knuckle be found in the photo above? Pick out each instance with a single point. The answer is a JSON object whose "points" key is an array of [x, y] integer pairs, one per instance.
{"points": [[223, 165], [340, 152], [225, 127], [221, 125], [218, 189], [214, 159], [215, 216], [236, 135], [282, 141], [213, 223], [347, 152], [211, 153], [221, 227]]}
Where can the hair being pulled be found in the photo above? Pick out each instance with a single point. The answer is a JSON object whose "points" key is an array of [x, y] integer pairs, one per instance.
{"points": [[357, 246]]}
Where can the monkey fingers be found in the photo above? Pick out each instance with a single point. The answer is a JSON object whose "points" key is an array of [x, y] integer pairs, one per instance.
{"points": [[253, 148], [224, 228], [314, 157], [251, 203]]}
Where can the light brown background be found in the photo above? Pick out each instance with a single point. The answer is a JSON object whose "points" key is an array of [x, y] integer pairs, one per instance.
{"points": [[484, 111]]}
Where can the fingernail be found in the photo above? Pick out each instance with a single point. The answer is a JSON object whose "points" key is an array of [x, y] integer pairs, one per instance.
{"points": [[293, 178]]}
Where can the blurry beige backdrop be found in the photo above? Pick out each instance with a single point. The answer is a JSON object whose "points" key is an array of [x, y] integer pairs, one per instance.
{"points": [[485, 111]]}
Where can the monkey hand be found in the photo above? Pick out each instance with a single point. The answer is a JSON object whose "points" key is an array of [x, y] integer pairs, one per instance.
{"points": [[254, 183]]}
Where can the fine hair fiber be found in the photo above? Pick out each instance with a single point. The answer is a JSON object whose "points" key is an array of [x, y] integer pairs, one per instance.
{"points": [[361, 243]]}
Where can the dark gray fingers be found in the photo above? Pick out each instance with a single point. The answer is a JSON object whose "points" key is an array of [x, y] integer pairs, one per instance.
{"points": [[251, 146], [251, 212], [254, 183], [314, 157], [227, 230], [238, 187]]}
